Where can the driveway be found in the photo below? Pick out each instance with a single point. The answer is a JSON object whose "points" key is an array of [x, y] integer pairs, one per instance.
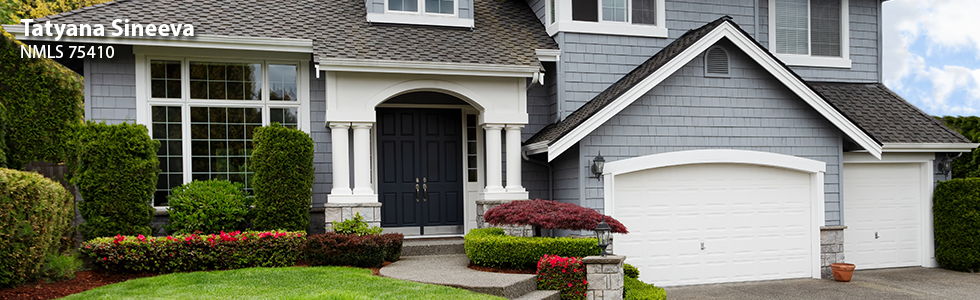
{"points": [[891, 284]]}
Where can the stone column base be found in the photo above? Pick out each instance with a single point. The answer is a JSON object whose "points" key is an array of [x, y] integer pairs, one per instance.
{"points": [[482, 206], [371, 211], [831, 248], [605, 277]]}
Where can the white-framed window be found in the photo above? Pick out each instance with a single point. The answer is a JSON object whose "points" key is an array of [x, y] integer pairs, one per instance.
{"points": [[421, 12], [204, 111], [810, 32], [439, 7], [612, 17]]}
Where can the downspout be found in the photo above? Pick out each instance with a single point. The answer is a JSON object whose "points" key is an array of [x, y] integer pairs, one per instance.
{"points": [[551, 182]]}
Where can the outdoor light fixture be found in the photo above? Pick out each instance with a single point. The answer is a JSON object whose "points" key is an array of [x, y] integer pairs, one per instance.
{"points": [[597, 163], [603, 233]]}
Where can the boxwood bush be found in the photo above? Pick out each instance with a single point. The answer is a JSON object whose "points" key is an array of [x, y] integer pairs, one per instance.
{"points": [[283, 180], [366, 251], [634, 289], [116, 173], [34, 213], [209, 206], [490, 247], [192, 252], [957, 219]]}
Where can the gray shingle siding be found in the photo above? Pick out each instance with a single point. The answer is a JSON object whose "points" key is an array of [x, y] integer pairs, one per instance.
{"points": [[540, 9], [322, 153], [750, 111], [567, 183], [110, 87]]}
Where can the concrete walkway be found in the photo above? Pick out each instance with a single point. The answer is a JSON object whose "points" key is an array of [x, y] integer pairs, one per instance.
{"points": [[890, 284], [451, 270]]}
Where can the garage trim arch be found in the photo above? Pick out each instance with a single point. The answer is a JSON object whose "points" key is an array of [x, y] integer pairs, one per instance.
{"points": [[815, 169]]}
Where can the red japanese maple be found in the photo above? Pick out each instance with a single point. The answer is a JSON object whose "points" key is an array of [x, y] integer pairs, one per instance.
{"points": [[547, 214]]}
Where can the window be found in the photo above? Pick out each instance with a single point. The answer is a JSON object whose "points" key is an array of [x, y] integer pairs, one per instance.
{"points": [[446, 7], [627, 11], [608, 17], [206, 132], [810, 32], [450, 13], [471, 154]]}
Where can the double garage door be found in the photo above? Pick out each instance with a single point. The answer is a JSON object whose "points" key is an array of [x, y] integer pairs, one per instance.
{"points": [[716, 222]]}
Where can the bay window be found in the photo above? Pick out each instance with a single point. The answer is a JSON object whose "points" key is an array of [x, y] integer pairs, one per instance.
{"points": [[810, 32], [204, 112], [610, 17]]}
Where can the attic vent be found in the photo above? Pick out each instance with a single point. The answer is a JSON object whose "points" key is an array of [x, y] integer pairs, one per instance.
{"points": [[716, 62]]}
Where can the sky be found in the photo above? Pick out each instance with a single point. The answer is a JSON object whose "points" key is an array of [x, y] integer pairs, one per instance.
{"points": [[932, 54]]}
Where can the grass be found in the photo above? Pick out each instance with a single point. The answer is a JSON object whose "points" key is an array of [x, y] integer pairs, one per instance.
{"points": [[276, 283]]}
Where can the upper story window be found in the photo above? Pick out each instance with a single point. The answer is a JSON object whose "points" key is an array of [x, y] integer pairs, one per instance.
{"points": [[810, 32], [613, 17], [453, 13]]}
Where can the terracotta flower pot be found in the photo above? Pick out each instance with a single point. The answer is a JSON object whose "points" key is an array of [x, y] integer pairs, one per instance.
{"points": [[842, 271]]}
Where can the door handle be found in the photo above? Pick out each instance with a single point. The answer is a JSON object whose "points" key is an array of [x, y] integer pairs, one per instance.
{"points": [[425, 189], [876, 235], [416, 189]]}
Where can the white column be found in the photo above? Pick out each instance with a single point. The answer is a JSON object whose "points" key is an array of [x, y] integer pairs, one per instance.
{"points": [[493, 158], [362, 159], [514, 158], [341, 165]]}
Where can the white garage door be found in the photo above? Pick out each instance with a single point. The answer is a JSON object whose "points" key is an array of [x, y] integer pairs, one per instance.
{"points": [[712, 223], [883, 214]]}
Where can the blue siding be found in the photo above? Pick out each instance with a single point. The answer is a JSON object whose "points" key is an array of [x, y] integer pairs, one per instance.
{"points": [[110, 87], [322, 151], [567, 183], [750, 111]]}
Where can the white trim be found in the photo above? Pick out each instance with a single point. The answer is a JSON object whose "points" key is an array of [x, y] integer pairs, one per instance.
{"points": [[205, 41], [420, 19], [815, 61], [550, 55], [815, 168], [864, 157], [566, 24], [759, 55], [434, 68], [929, 147]]}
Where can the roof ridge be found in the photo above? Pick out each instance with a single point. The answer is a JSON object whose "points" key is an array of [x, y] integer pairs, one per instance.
{"points": [[87, 8]]}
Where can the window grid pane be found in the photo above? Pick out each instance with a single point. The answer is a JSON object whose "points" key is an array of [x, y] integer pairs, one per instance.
{"points": [[166, 121], [221, 142], [614, 10], [791, 27], [285, 116], [226, 81], [282, 82], [439, 6], [825, 18], [644, 12], [585, 10], [165, 79], [471, 159], [403, 5], [552, 2]]}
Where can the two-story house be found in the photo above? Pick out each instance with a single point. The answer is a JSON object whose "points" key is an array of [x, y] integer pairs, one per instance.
{"points": [[741, 140]]}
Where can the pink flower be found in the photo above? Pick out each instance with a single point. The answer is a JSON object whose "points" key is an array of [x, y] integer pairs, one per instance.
{"points": [[141, 238]]}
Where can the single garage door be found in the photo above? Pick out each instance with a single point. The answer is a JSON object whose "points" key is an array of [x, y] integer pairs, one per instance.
{"points": [[883, 213], [715, 222]]}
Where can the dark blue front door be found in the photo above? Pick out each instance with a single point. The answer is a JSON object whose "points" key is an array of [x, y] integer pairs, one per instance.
{"points": [[420, 172]]}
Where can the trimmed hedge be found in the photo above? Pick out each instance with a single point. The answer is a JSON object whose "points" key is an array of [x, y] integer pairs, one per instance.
{"points": [[43, 101], [193, 252], [565, 274], [957, 219], [490, 247], [116, 173], [634, 289], [365, 251], [283, 180], [208, 206], [630, 271], [34, 213]]}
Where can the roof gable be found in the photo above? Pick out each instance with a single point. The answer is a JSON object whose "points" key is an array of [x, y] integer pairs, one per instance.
{"points": [[557, 138]]}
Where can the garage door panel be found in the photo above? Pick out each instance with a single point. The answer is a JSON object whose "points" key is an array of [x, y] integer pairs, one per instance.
{"points": [[754, 223], [883, 199]]}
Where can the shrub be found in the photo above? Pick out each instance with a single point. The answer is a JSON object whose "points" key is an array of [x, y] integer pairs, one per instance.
{"points": [[283, 180], [566, 274], [208, 206], [43, 101], [550, 215], [634, 289], [393, 246], [631, 271], [490, 247], [116, 173], [34, 213], [335, 249], [957, 219], [192, 252], [61, 267], [355, 225]]}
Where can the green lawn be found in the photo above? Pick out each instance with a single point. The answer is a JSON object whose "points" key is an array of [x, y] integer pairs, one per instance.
{"points": [[276, 283]]}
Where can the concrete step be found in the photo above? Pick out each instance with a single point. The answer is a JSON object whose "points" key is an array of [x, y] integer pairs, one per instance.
{"points": [[442, 246], [541, 295]]}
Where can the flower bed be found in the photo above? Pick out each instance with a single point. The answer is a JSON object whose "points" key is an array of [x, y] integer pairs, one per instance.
{"points": [[194, 252], [566, 274]]}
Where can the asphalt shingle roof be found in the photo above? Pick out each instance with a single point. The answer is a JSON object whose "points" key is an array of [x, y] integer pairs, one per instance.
{"points": [[885, 115], [506, 32]]}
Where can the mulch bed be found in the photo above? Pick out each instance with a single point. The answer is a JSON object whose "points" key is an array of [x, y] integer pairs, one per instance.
{"points": [[500, 270], [87, 280]]}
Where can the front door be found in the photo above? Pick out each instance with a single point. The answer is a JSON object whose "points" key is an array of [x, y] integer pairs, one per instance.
{"points": [[420, 172]]}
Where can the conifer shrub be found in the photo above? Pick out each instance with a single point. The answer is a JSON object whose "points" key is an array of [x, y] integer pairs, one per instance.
{"points": [[550, 215], [957, 224], [34, 213], [116, 172], [283, 180]]}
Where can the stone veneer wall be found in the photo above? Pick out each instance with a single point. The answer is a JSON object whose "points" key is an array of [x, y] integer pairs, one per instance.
{"points": [[342, 211], [605, 277], [831, 248], [513, 230]]}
